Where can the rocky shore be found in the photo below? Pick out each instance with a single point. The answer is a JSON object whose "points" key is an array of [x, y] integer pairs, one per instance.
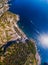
{"points": [[7, 30], [10, 31]]}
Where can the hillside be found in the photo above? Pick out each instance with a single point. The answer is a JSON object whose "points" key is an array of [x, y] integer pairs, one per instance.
{"points": [[15, 47], [7, 30], [20, 54]]}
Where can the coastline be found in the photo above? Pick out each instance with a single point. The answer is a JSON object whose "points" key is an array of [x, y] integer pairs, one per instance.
{"points": [[38, 58], [19, 34]]}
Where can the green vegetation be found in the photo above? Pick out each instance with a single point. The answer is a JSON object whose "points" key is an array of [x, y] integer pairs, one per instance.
{"points": [[20, 54], [17, 53]]}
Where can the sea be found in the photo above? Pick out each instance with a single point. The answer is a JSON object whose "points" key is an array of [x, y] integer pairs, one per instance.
{"points": [[33, 21]]}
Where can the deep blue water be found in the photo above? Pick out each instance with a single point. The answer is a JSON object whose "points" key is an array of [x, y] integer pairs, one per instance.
{"points": [[33, 17]]}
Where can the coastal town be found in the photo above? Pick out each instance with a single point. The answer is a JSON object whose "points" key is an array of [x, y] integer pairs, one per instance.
{"points": [[13, 41]]}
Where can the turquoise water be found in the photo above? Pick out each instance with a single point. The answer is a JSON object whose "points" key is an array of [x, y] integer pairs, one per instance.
{"points": [[33, 17]]}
